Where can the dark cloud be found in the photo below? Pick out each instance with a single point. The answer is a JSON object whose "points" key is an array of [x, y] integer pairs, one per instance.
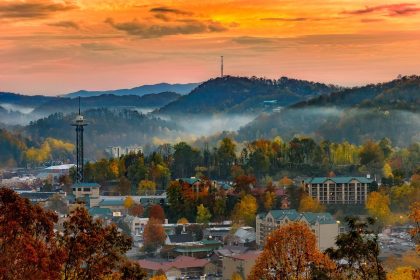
{"points": [[285, 19], [163, 17], [166, 10], [402, 9], [65, 24], [33, 9], [369, 20], [145, 30], [99, 46]]}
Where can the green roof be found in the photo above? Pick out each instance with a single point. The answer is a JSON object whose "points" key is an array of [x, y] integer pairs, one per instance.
{"points": [[190, 181], [97, 211], [86, 185], [113, 202], [312, 218], [338, 180]]}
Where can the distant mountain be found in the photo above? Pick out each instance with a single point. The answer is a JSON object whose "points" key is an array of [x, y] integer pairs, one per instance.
{"points": [[403, 93], [23, 100], [67, 105], [244, 95], [140, 91], [374, 111]]}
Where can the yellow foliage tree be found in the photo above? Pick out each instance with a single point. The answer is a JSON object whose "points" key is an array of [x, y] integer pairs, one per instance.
{"points": [[415, 218], [128, 202], [146, 187], [401, 273], [308, 204], [236, 276], [387, 171], [182, 221], [269, 198], [159, 277], [245, 211], [377, 205]]}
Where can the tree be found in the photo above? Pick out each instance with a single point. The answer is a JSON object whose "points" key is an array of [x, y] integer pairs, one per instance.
{"points": [[57, 203], [245, 211], [124, 186], [128, 202], [290, 252], [377, 204], [387, 171], [244, 183], [28, 246], [131, 271], [94, 250], [159, 277], [357, 252], [309, 204], [371, 156], [269, 199], [401, 273], [182, 221], [136, 210], [203, 214], [154, 235], [226, 156], [285, 182], [236, 276], [156, 212], [415, 218], [146, 187]]}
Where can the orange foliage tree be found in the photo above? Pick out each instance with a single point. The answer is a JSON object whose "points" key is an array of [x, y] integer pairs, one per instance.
{"points": [[290, 252], [93, 250], [154, 235], [415, 218], [156, 212], [28, 247], [136, 210], [309, 204]]}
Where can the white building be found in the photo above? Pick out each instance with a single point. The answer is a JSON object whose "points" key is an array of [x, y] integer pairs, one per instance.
{"points": [[117, 151]]}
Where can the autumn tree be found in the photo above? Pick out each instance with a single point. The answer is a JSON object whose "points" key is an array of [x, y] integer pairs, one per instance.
{"points": [[377, 204], [285, 182], [128, 202], [130, 270], [154, 235], [136, 210], [156, 212], [291, 252], [94, 250], [146, 187], [203, 214], [57, 203], [244, 183], [357, 251], [226, 157], [236, 276], [269, 199], [28, 246], [245, 211], [309, 204], [159, 277], [182, 221]]}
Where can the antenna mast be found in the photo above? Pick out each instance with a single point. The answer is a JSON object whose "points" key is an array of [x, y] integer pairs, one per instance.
{"points": [[221, 66]]}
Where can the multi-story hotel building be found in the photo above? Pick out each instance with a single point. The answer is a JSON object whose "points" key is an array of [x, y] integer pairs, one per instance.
{"points": [[338, 190], [325, 227]]}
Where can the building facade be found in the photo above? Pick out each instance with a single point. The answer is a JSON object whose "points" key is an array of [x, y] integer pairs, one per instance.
{"points": [[241, 264], [87, 191], [338, 190], [323, 225]]}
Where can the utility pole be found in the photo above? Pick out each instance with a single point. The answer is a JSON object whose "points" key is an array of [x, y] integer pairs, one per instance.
{"points": [[79, 123]]}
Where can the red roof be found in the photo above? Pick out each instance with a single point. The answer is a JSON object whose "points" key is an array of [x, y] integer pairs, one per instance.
{"points": [[180, 262], [250, 255]]}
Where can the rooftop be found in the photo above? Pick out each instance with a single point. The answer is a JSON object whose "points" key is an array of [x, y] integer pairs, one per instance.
{"points": [[338, 180], [86, 185], [293, 215]]}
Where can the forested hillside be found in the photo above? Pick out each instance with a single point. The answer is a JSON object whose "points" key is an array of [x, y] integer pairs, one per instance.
{"points": [[243, 95], [105, 128], [370, 112]]}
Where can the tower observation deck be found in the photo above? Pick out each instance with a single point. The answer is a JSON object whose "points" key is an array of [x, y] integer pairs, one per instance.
{"points": [[79, 123]]}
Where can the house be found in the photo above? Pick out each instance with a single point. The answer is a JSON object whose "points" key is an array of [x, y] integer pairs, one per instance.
{"points": [[219, 254], [136, 224], [239, 263], [180, 267], [325, 227], [338, 190], [216, 233]]}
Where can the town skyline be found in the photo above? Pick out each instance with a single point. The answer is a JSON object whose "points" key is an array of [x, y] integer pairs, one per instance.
{"points": [[57, 47]]}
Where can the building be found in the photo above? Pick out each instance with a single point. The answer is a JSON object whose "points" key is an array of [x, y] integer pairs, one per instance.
{"points": [[55, 172], [240, 263], [325, 227], [89, 192], [117, 151], [338, 190], [182, 266]]}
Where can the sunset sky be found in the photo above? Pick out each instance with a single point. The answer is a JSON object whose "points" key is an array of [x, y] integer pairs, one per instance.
{"points": [[54, 47]]}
